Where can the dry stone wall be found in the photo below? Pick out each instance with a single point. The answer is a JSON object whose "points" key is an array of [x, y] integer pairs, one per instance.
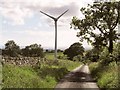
{"points": [[21, 60]]}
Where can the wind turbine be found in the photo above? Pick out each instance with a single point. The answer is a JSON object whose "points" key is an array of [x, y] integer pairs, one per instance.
{"points": [[55, 19]]}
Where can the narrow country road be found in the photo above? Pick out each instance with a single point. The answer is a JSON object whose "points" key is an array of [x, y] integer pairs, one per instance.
{"points": [[78, 78]]}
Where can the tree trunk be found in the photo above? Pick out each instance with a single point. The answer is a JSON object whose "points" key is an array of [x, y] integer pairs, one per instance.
{"points": [[110, 46]]}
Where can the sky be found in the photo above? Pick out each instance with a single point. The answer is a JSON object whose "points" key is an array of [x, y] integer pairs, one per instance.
{"points": [[21, 21]]}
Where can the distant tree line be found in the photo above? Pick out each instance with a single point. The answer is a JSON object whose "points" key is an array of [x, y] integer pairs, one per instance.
{"points": [[52, 51], [13, 50]]}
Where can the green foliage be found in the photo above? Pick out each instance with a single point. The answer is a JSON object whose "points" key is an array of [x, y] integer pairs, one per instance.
{"points": [[70, 65], [106, 70], [52, 71], [99, 16], [49, 51], [49, 56], [42, 75], [93, 55], [0, 51], [106, 76], [116, 52], [94, 68], [74, 50], [11, 49], [0, 75], [64, 62], [105, 58], [33, 50], [20, 77], [78, 58], [59, 50], [52, 51], [112, 72]]}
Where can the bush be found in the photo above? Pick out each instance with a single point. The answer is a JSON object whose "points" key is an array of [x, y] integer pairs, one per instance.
{"points": [[55, 72], [33, 50], [11, 49], [106, 57], [78, 58]]}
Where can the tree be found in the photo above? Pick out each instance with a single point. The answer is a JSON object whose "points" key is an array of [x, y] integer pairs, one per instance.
{"points": [[78, 58], [11, 49], [74, 50], [103, 17], [34, 50], [59, 50], [92, 55], [106, 57], [0, 51]]}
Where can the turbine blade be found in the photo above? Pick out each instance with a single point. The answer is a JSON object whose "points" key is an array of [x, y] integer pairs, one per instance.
{"points": [[62, 14], [48, 15]]}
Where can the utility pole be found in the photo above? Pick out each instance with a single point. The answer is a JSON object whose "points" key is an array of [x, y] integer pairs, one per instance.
{"points": [[55, 19]]}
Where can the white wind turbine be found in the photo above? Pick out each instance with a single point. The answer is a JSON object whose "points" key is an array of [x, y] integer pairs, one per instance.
{"points": [[55, 19]]}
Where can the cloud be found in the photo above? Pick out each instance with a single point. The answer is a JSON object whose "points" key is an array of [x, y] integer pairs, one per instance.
{"points": [[15, 12], [72, 5], [56, 11]]}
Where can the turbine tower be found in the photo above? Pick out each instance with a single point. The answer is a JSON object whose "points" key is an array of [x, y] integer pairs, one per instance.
{"points": [[55, 19]]}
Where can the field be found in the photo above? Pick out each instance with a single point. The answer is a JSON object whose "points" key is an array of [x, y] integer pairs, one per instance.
{"points": [[44, 75], [47, 74]]}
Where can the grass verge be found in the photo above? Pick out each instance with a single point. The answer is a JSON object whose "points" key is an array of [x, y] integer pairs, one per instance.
{"points": [[106, 76], [44, 75]]}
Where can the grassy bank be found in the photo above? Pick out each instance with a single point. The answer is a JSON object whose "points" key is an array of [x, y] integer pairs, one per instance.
{"points": [[106, 75], [107, 68], [43, 75]]}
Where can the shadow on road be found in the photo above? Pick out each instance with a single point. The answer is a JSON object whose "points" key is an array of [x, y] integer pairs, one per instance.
{"points": [[78, 76]]}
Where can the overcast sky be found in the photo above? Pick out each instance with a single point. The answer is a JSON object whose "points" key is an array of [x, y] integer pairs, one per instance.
{"points": [[22, 22]]}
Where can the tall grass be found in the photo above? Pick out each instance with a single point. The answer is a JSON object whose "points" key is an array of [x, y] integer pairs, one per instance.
{"points": [[43, 75], [50, 56], [107, 70], [0, 75], [106, 76]]}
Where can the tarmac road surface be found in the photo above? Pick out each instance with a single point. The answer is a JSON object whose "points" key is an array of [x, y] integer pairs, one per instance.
{"points": [[80, 78]]}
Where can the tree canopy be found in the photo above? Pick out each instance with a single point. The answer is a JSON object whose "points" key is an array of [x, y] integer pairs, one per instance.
{"points": [[34, 50], [74, 50], [11, 49], [99, 24]]}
